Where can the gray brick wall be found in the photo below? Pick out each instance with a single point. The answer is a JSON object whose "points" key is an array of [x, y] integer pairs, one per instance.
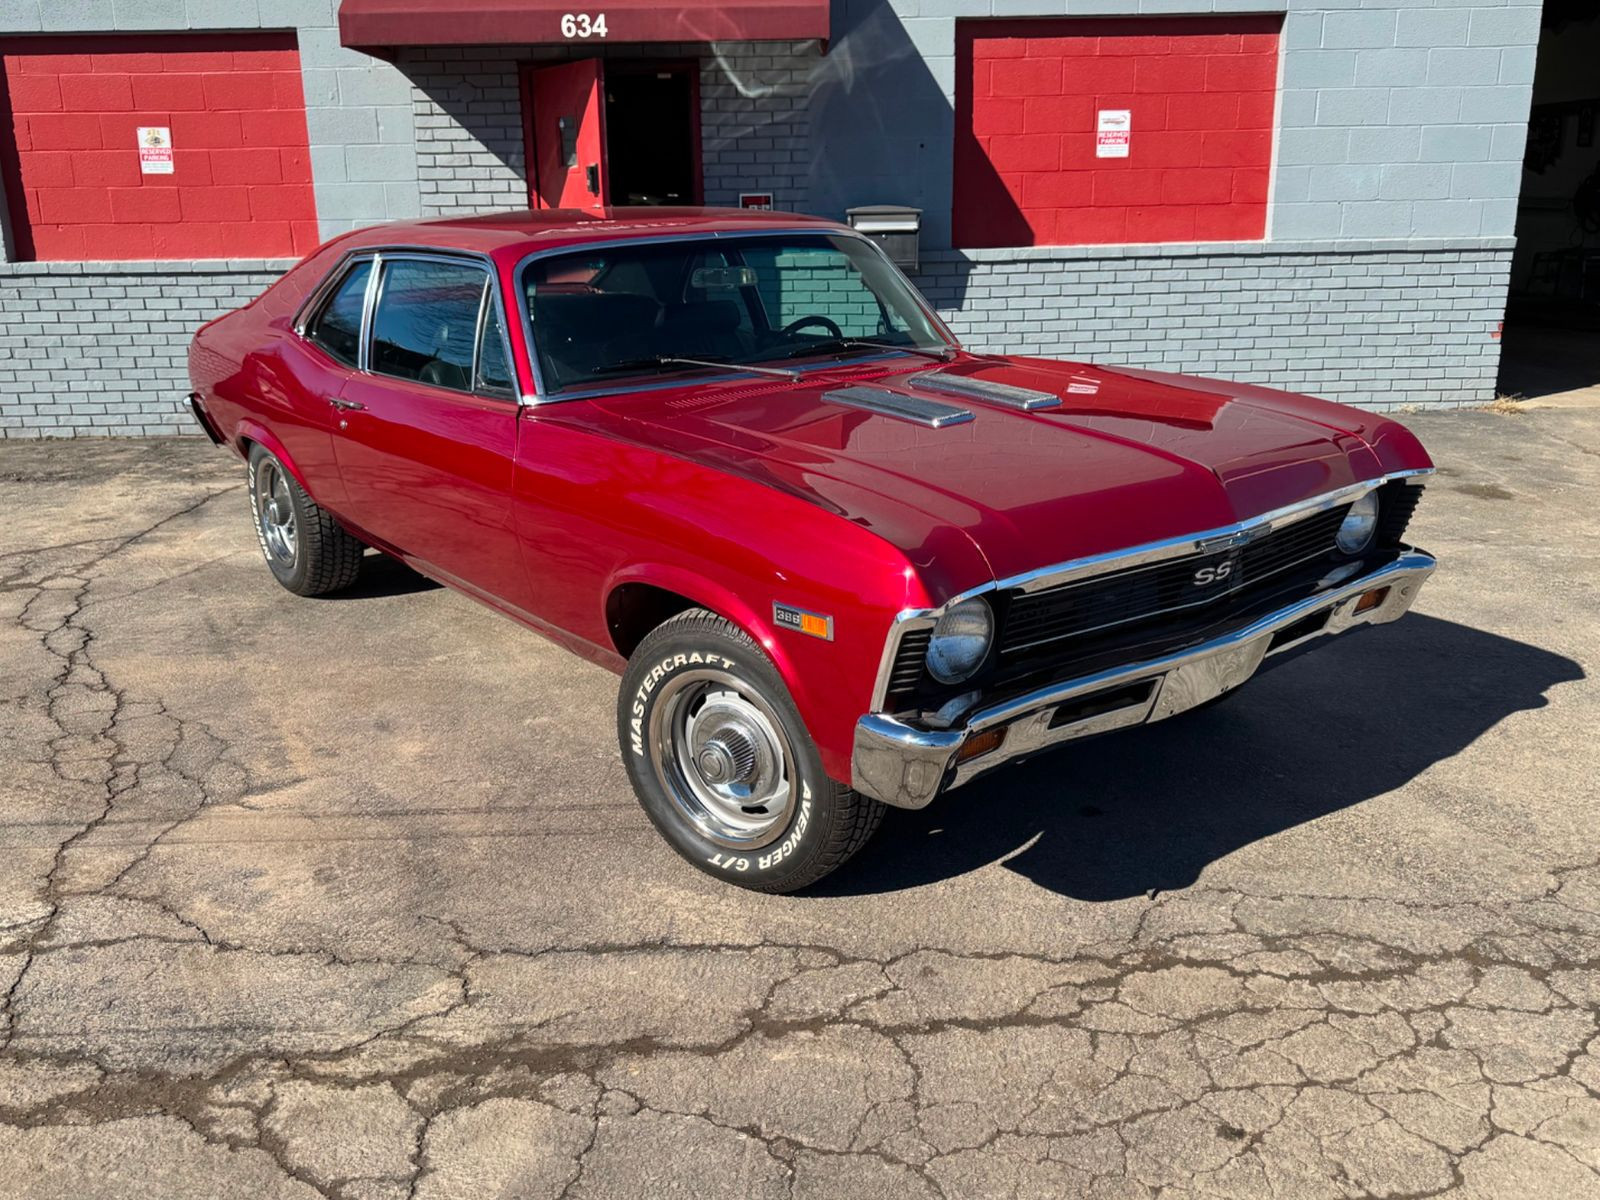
{"points": [[1381, 326], [102, 348]]}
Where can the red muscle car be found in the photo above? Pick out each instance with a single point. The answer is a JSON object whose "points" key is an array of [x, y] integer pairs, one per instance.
{"points": [[839, 562]]}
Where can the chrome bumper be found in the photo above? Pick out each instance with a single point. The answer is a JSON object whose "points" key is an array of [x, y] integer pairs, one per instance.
{"points": [[907, 767]]}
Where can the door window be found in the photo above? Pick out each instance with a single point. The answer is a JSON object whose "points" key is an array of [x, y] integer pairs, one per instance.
{"points": [[425, 324], [337, 328], [494, 370]]}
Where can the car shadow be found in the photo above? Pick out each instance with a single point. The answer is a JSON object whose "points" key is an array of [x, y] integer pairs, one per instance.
{"points": [[1147, 809], [382, 575]]}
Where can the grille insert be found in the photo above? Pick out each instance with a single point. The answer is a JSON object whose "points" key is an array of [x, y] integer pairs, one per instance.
{"points": [[1139, 593]]}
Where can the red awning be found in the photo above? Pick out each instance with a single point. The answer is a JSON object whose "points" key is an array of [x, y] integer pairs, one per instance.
{"points": [[376, 23]]}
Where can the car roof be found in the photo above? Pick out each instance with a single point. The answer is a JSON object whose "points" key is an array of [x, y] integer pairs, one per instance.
{"points": [[529, 229]]}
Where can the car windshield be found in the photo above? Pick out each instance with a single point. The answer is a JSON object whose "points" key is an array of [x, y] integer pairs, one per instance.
{"points": [[608, 313]]}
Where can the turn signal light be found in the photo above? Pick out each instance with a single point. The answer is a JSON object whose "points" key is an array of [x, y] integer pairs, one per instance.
{"points": [[981, 743], [1371, 600]]}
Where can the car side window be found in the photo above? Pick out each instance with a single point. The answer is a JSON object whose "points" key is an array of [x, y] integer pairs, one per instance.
{"points": [[337, 328], [494, 372], [425, 324]]}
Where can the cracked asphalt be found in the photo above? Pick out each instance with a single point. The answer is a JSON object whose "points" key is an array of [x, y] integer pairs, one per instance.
{"points": [[350, 898]]}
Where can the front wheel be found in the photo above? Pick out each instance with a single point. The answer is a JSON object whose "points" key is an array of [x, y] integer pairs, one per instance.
{"points": [[723, 765]]}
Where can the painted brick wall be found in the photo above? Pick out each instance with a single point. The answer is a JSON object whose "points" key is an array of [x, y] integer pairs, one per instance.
{"points": [[241, 179], [1382, 327], [1201, 92], [467, 111], [102, 348]]}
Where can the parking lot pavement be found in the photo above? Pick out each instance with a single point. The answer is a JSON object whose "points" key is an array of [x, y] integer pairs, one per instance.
{"points": [[350, 897]]}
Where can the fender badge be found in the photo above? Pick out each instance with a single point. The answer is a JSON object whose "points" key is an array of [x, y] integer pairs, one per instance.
{"points": [[787, 616]]}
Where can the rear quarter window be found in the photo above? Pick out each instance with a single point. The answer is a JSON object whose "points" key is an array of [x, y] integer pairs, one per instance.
{"points": [[337, 326]]}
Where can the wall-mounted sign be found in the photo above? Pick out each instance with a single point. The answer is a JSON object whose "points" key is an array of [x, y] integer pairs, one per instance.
{"points": [[155, 150], [757, 200], [1113, 132]]}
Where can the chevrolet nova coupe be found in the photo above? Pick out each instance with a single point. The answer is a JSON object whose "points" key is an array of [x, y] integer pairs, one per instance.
{"points": [[840, 562]]}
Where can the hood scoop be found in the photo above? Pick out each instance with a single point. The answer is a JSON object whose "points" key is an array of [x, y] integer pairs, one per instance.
{"points": [[1005, 394], [918, 410]]}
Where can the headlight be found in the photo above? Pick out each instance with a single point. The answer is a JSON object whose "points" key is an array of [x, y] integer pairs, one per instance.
{"points": [[960, 641], [1360, 523]]}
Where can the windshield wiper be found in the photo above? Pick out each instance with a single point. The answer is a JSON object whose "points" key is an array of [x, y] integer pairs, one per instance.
{"points": [[834, 344], [669, 360]]}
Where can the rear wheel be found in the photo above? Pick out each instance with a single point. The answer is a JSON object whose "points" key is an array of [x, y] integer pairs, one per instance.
{"points": [[306, 549], [723, 765]]}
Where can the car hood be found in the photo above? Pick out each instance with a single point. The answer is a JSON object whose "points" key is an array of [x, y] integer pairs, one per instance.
{"points": [[1127, 457]]}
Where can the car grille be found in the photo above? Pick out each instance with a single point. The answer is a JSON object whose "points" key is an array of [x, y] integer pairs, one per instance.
{"points": [[1142, 612], [1139, 593]]}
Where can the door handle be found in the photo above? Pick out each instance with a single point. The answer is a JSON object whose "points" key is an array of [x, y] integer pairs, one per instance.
{"points": [[346, 405]]}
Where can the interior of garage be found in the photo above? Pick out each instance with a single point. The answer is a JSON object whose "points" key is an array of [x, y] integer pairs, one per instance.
{"points": [[1552, 329]]}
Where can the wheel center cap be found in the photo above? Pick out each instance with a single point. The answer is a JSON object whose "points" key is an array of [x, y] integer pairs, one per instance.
{"points": [[727, 758]]}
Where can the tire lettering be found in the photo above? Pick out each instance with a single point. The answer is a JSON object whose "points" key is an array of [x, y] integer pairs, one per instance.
{"points": [[789, 843], [657, 673], [729, 862]]}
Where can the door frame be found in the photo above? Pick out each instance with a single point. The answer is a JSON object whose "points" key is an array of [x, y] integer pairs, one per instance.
{"points": [[622, 66]]}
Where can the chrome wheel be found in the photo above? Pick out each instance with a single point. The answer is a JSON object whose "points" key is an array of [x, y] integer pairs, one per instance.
{"points": [[722, 755], [275, 512]]}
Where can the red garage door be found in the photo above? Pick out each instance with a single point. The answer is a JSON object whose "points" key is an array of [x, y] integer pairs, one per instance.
{"points": [[233, 179], [1145, 129]]}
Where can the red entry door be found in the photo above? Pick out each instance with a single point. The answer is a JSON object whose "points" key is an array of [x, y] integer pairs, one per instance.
{"points": [[567, 141]]}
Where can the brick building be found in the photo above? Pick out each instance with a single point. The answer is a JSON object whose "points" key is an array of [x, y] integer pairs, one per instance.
{"points": [[1312, 194]]}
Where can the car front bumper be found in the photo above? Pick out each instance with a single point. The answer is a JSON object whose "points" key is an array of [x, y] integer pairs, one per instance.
{"points": [[907, 767]]}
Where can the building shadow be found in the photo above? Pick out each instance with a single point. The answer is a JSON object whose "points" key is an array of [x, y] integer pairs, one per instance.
{"points": [[1117, 816]]}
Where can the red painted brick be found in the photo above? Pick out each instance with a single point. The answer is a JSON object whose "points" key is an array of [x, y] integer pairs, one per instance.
{"points": [[1057, 189], [96, 93], [74, 205], [280, 202], [1257, 110], [58, 243], [1141, 186], [1089, 76], [207, 130], [185, 240], [1170, 74], [53, 64], [1251, 184], [235, 106], [51, 168], [1214, 110], [1235, 148], [999, 48], [246, 165], [21, 136], [252, 91], [1135, 46], [118, 241], [191, 168], [1241, 72], [1091, 226], [1170, 149], [273, 128], [169, 93], [1027, 77], [1197, 185], [64, 131], [215, 204], [34, 93], [998, 116], [1058, 114], [1166, 223], [1232, 222], [132, 63], [106, 168], [295, 164], [148, 204], [1025, 152]]}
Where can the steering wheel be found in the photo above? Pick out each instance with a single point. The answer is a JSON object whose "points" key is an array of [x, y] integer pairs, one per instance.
{"points": [[816, 319]]}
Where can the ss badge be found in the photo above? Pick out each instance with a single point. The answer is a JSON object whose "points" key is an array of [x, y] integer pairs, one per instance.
{"points": [[1215, 573]]}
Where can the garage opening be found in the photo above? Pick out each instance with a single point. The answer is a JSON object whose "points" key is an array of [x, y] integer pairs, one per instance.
{"points": [[1551, 336]]}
